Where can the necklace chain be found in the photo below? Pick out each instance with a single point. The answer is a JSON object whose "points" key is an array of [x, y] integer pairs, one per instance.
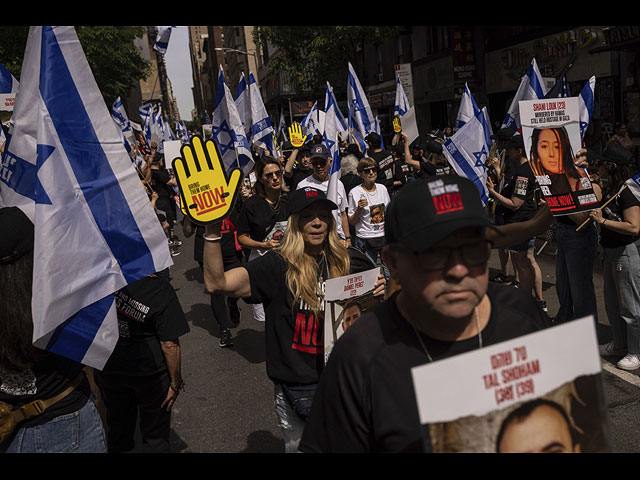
{"points": [[424, 347]]}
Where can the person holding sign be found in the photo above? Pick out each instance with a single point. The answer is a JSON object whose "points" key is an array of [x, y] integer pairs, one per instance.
{"points": [[516, 203], [298, 165], [619, 236], [289, 282], [437, 251]]}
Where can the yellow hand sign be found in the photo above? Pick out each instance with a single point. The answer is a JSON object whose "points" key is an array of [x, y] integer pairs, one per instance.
{"points": [[397, 127], [295, 135], [207, 193]]}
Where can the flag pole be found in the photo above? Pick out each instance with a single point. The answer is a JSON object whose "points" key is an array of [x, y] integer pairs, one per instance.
{"points": [[603, 205]]}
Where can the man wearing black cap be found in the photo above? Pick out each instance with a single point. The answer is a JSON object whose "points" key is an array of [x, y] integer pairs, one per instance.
{"points": [[437, 252], [319, 179]]}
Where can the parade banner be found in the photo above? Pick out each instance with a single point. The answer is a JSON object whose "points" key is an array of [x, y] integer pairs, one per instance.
{"points": [[495, 399], [346, 299], [551, 134]]}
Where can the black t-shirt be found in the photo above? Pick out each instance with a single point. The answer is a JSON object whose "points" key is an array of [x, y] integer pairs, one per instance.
{"points": [[298, 174], [614, 211], [231, 249], [427, 168], [294, 335], [149, 312], [257, 217], [385, 162], [45, 380], [366, 402], [521, 183], [159, 179]]}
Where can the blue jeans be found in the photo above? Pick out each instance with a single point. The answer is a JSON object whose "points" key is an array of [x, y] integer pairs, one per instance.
{"points": [[290, 423], [574, 272], [372, 254], [621, 278], [77, 432]]}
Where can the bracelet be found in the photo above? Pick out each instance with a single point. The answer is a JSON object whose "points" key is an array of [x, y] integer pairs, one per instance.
{"points": [[211, 239], [603, 220], [347, 238]]}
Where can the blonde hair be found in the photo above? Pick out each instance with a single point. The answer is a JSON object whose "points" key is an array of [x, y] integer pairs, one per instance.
{"points": [[302, 269]]}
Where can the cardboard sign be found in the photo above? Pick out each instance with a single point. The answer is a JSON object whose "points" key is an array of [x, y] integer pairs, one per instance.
{"points": [[207, 193], [466, 402], [346, 299], [551, 134]]}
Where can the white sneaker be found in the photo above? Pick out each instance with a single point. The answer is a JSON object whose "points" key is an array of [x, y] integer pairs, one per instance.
{"points": [[609, 349], [629, 362]]}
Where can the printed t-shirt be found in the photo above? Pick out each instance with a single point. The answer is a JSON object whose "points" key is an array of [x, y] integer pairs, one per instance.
{"points": [[521, 184], [366, 227], [258, 219], [614, 211], [384, 159], [149, 312]]}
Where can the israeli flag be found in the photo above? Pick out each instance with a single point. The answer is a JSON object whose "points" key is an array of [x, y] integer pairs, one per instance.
{"points": [[228, 132], [162, 39], [8, 83], [560, 89], [468, 108], [119, 115], [67, 169], [531, 88], [334, 123], [243, 104], [585, 104], [262, 131], [309, 123], [401, 106], [467, 151], [634, 185], [360, 115]]}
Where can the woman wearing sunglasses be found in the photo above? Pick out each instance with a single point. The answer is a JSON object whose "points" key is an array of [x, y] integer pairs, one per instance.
{"points": [[367, 205], [262, 220]]}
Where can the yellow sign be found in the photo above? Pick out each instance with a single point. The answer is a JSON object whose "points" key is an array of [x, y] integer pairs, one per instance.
{"points": [[207, 192]]}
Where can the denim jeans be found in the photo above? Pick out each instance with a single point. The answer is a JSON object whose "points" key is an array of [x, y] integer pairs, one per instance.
{"points": [[77, 432], [621, 278], [290, 423], [574, 272], [372, 254]]}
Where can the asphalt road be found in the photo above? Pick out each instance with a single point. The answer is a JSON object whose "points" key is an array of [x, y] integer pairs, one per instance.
{"points": [[227, 405]]}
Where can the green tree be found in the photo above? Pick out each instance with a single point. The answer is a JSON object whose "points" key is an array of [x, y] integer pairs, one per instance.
{"points": [[111, 54], [305, 51]]}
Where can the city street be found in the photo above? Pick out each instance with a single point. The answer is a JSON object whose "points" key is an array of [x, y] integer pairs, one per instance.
{"points": [[227, 405]]}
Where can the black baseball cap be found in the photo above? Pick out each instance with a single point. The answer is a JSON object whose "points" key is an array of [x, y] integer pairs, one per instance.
{"points": [[16, 237], [503, 134], [305, 197], [319, 151], [426, 211]]}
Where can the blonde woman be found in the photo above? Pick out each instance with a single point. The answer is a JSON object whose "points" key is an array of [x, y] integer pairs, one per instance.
{"points": [[289, 282]]}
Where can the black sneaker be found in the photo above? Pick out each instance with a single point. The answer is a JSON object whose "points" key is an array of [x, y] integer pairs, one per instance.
{"points": [[225, 338], [515, 284], [500, 278], [543, 305]]}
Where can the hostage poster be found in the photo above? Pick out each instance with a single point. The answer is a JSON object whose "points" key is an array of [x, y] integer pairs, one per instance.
{"points": [[541, 392], [346, 300], [551, 135]]}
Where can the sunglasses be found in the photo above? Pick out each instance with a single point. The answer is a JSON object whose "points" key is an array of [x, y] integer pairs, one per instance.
{"points": [[472, 254], [370, 170], [276, 174]]}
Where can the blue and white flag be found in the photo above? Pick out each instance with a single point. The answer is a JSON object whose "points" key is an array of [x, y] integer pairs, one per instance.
{"points": [[119, 115], [401, 106], [467, 151], [361, 117], [162, 39], [262, 131], [334, 123], [309, 123], [531, 88], [8, 83], [243, 104], [468, 108], [585, 104], [182, 131], [66, 168], [282, 128], [228, 132]]}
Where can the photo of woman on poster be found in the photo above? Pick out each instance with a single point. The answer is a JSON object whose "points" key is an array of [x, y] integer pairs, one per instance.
{"points": [[551, 154]]}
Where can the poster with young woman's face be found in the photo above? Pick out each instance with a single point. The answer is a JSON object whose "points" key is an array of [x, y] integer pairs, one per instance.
{"points": [[551, 134]]}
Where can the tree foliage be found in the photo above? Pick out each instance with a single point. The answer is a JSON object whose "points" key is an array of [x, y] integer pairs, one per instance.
{"points": [[306, 51], [110, 51]]}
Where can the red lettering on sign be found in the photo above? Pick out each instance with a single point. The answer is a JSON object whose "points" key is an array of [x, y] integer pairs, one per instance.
{"points": [[308, 335], [209, 200]]}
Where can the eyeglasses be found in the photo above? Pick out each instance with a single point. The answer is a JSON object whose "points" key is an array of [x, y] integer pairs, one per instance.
{"points": [[437, 258], [370, 170], [276, 174], [319, 163]]}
